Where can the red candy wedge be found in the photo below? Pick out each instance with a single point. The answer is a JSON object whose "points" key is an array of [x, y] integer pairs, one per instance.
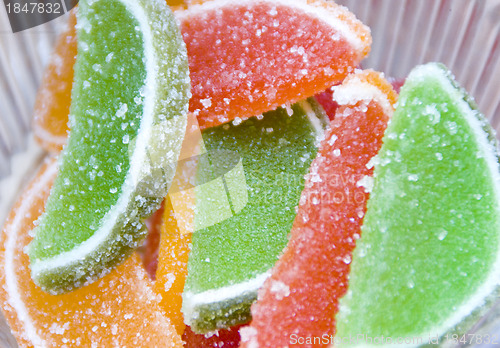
{"points": [[247, 57]]}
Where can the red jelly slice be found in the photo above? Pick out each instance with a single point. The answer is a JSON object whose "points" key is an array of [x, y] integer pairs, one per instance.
{"points": [[298, 302]]}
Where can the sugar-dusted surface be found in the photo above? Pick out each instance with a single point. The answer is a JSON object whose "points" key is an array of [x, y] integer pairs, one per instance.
{"points": [[430, 238], [248, 57], [325, 98], [89, 173], [150, 249], [229, 338], [172, 266], [128, 120], [301, 296], [229, 260], [118, 310], [50, 116]]}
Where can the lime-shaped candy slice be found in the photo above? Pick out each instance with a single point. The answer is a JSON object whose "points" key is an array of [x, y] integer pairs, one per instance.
{"points": [[427, 263], [128, 118], [241, 241]]}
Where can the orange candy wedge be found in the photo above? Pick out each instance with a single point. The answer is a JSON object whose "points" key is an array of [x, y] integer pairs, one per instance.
{"points": [[224, 338], [120, 309], [50, 123], [245, 57], [176, 3], [300, 298]]}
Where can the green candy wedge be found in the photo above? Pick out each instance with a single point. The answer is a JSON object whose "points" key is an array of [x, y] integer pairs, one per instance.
{"points": [[232, 254], [128, 118], [427, 264]]}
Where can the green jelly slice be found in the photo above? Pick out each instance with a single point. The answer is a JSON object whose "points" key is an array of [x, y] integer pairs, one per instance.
{"points": [[427, 263], [128, 119], [246, 216]]}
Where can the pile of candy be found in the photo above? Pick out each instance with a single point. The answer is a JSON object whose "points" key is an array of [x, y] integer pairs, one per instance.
{"points": [[288, 197]]}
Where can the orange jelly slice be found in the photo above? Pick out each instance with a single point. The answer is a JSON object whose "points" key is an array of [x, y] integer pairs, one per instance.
{"points": [[120, 309], [245, 58], [223, 338], [174, 227], [300, 298], [53, 100]]}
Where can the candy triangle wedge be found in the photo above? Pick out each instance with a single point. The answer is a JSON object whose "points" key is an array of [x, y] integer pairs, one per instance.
{"points": [[128, 118], [50, 115], [300, 298], [428, 261], [117, 310], [247, 57], [241, 239]]}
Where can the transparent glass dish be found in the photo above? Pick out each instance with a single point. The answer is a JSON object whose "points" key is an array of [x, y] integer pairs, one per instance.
{"points": [[463, 34]]}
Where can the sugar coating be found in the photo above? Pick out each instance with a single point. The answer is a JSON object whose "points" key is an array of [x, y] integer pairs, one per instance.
{"points": [[229, 338], [248, 57], [98, 315], [301, 295], [242, 248], [358, 90], [131, 117], [430, 236], [50, 114]]}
